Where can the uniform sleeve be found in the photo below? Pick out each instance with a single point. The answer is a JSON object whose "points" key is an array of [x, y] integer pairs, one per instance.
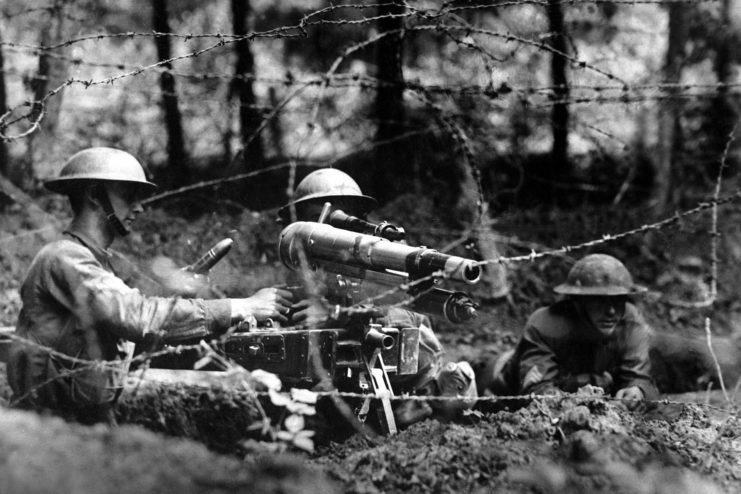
{"points": [[635, 366], [538, 368], [99, 299]]}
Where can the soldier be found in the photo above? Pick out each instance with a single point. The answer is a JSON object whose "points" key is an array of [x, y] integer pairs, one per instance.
{"points": [[433, 377], [77, 311], [594, 336]]}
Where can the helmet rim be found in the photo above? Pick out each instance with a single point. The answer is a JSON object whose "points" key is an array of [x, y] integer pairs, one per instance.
{"points": [[599, 275], [97, 164], [328, 184], [568, 289], [63, 185]]}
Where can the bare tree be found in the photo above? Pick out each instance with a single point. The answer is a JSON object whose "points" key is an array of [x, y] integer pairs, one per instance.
{"points": [[4, 164], [560, 111], [177, 156], [249, 117], [723, 112], [664, 192], [389, 178], [52, 73]]}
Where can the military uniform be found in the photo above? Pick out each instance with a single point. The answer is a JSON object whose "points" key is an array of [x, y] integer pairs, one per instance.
{"points": [[559, 351], [75, 304]]}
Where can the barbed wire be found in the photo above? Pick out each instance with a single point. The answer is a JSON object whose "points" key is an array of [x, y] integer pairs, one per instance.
{"points": [[423, 92], [223, 39], [356, 79], [121, 366], [702, 206]]}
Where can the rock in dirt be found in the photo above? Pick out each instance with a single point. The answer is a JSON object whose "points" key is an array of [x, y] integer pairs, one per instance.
{"points": [[581, 443]]}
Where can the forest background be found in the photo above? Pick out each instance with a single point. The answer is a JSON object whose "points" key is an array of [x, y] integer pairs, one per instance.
{"points": [[523, 133]]}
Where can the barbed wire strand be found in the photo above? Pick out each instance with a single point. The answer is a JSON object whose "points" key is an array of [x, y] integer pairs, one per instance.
{"points": [[323, 81], [116, 366]]}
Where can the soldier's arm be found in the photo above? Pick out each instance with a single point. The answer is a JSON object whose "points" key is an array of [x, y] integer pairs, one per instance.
{"points": [[635, 365], [99, 299], [538, 368]]}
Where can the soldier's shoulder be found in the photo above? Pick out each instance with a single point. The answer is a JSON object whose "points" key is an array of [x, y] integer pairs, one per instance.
{"points": [[554, 319], [540, 314], [633, 313], [634, 318], [59, 250]]}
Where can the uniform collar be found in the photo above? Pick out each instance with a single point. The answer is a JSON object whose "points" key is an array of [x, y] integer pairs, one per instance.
{"points": [[101, 254]]}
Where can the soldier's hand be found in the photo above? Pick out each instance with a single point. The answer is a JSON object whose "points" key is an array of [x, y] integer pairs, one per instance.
{"points": [[311, 312], [266, 303], [631, 397]]}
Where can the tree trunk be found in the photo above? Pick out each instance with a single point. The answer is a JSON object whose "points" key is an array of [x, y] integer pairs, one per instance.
{"points": [[4, 163], [177, 156], [495, 274], [392, 175], [560, 111], [249, 117], [276, 129], [52, 73], [669, 146], [723, 115]]}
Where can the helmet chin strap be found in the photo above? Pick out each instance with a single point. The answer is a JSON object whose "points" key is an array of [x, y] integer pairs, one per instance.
{"points": [[113, 220]]}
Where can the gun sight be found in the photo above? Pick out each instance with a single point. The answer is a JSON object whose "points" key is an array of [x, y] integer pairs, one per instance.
{"points": [[384, 229]]}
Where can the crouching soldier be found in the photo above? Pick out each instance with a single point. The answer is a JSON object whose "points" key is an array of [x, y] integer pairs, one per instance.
{"points": [[593, 336], [434, 377], [78, 317]]}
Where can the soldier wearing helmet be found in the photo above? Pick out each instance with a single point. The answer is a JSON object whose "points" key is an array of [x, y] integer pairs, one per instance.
{"points": [[434, 376], [77, 313], [593, 336], [326, 185]]}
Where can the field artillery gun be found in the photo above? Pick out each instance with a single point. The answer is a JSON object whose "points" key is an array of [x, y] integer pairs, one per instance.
{"points": [[356, 351]]}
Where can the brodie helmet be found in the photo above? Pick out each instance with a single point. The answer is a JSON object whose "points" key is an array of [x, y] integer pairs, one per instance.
{"points": [[599, 274], [329, 184], [99, 163]]}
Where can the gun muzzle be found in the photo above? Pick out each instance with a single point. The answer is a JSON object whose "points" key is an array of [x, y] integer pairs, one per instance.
{"points": [[210, 258], [320, 243], [379, 339], [456, 307]]}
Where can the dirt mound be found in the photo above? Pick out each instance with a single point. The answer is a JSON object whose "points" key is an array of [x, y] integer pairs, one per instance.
{"points": [[48, 455], [578, 443]]}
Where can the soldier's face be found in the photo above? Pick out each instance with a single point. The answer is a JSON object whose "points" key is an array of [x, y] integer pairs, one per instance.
{"points": [[603, 312], [126, 201]]}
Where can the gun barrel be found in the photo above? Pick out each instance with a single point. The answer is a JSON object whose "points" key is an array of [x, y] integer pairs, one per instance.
{"points": [[320, 242], [378, 339]]}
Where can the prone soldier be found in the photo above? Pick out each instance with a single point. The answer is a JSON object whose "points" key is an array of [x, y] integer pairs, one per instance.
{"points": [[593, 336], [331, 196], [78, 316]]}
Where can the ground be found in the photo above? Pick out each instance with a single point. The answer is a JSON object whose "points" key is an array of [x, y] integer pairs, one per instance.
{"points": [[571, 443]]}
